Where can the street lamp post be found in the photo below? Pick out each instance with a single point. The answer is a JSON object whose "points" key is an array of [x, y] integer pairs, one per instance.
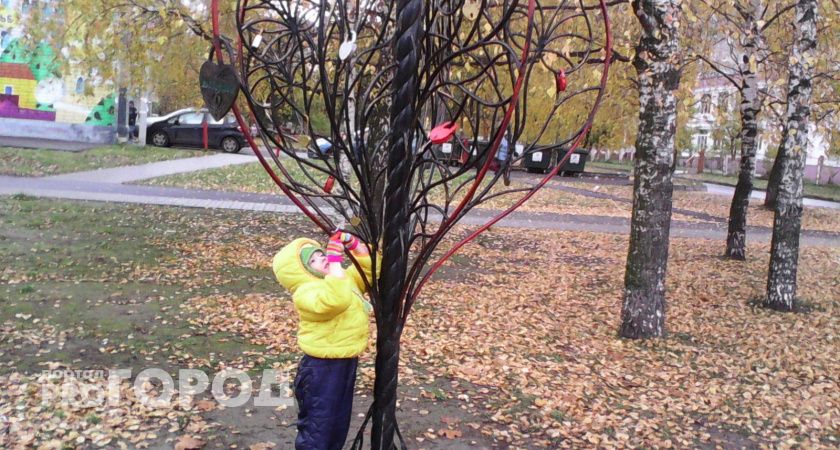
{"points": [[144, 114]]}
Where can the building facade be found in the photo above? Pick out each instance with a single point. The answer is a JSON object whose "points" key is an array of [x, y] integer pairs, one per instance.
{"points": [[41, 97], [715, 99]]}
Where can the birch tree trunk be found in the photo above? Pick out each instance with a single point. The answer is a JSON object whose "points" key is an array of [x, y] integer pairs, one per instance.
{"points": [[775, 176], [737, 234], [750, 108], [656, 62], [784, 250]]}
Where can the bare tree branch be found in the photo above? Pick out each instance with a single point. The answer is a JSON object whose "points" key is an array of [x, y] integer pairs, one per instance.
{"points": [[714, 66], [778, 14]]}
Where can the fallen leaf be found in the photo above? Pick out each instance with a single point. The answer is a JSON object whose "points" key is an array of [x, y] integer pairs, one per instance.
{"points": [[450, 420], [262, 446], [188, 443], [449, 433], [205, 405]]}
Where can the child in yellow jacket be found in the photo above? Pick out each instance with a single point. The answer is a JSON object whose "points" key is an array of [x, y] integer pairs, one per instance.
{"points": [[333, 331]]}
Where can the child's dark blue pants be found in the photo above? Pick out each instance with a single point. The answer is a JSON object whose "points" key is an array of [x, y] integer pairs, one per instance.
{"points": [[324, 393]]}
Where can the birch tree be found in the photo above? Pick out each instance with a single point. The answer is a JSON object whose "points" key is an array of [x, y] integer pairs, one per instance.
{"points": [[784, 250], [825, 89], [743, 27], [657, 66]]}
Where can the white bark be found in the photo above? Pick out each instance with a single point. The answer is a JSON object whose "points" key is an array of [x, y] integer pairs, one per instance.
{"points": [[784, 251], [751, 105], [656, 62]]}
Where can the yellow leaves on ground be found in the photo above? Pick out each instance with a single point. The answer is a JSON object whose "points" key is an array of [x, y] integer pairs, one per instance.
{"points": [[518, 331], [29, 403], [526, 322]]}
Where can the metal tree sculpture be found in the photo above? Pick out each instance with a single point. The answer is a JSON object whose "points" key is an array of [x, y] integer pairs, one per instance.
{"points": [[392, 100]]}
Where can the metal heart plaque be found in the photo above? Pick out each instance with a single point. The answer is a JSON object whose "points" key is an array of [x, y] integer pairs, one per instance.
{"points": [[219, 88]]}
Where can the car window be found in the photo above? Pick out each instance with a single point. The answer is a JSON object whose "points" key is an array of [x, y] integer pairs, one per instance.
{"points": [[212, 121], [192, 119]]}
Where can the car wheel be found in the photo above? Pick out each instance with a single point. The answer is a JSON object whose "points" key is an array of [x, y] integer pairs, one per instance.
{"points": [[230, 145], [160, 139]]}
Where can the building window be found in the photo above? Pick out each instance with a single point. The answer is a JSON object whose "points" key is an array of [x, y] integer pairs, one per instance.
{"points": [[723, 102], [706, 104], [702, 141], [80, 86]]}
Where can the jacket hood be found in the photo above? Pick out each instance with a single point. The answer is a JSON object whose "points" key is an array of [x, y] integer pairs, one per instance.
{"points": [[287, 266]]}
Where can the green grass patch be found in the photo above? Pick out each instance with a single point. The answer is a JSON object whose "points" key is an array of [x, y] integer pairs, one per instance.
{"points": [[42, 162], [69, 293], [609, 166], [239, 178], [76, 239]]}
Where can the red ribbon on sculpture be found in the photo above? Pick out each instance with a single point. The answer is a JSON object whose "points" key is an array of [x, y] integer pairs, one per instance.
{"points": [[328, 185]]}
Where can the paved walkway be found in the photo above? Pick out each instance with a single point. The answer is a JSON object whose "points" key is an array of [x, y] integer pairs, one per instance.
{"points": [[107, 185], [127, 174], [151, 195], [54, 187], [719, 189], [711, 188]]}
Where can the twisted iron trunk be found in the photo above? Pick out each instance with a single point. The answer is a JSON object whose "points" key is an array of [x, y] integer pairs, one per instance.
{"points": [[395, 233]]}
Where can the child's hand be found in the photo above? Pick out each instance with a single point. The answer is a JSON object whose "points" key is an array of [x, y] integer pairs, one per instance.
{"points": [[349, 241], [335, 251]]}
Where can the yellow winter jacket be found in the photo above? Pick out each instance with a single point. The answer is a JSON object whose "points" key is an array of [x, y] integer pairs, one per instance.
{"points": [[333, 311]]}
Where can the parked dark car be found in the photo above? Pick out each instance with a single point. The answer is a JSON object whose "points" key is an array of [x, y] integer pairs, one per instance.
{"points": [[186, 129]]}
